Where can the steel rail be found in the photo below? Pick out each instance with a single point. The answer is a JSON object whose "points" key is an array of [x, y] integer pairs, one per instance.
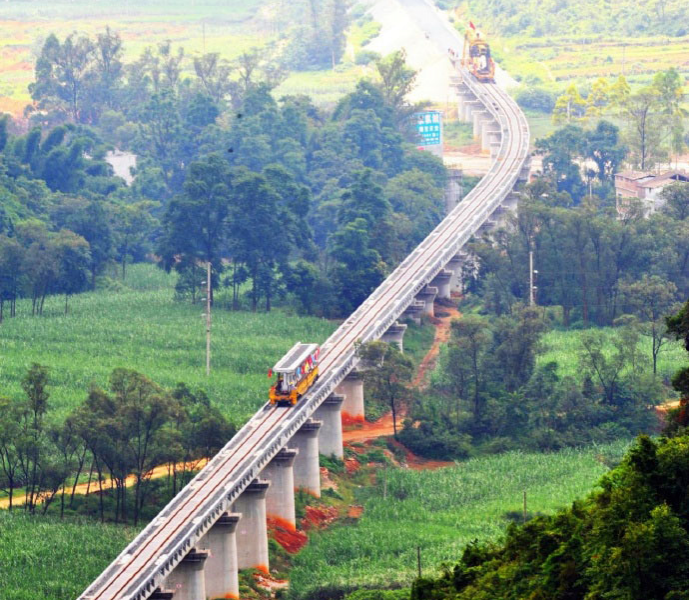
{"points": [[150, 557]]}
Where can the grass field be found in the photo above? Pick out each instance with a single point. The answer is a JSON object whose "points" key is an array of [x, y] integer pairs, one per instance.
{"points": [[563, 347], [51, 559], [145, 329], [440, 512]]}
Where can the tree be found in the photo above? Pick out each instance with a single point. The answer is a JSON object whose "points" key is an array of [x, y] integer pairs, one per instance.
{"points": [[569, 106], [471, 338], [195, 224], [62, 72], [516, 341], [134, 226], [397, 80], [651, 298], [598, 99], [676, 197], [11, 272], [608, 368], [387, 374], [74, 258], [641, 111], [10, 432]]}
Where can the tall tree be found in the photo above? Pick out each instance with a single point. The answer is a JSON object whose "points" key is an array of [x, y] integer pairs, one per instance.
{"points": [[387, 374]]}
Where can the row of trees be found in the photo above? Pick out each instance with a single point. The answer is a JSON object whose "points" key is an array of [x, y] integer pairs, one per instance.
{"points": [[587, 260], [653, 113], [126, 430]]}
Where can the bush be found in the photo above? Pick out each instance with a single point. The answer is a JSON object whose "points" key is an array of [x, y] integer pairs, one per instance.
{"points": [[366, 57], [435, 441], [536, 98]]}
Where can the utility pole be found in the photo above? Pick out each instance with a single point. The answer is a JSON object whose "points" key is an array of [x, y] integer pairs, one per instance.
{"points": [[532, 300], [208, 318]]}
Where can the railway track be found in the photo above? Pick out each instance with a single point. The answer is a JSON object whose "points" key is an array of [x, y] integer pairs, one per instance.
{"points": [[150, 557]]}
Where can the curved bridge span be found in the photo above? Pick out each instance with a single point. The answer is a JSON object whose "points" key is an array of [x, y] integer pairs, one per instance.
{"points": [[170, 558]]}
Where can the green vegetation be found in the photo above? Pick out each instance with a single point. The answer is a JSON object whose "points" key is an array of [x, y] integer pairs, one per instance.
{"points": [[53, 559], [562, 347], [440, 511], [141, 327], [628, 540]]}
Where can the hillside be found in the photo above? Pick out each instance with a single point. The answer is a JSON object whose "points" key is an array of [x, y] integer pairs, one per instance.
{"points": [[440, 512]]}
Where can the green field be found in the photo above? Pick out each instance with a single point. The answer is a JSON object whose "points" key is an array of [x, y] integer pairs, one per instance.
{"points": [[440, 512], [51, 559], [563, 347], [146, 330]]}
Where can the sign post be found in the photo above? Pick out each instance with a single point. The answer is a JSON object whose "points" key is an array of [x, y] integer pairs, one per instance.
{"points": [[429, 128]]}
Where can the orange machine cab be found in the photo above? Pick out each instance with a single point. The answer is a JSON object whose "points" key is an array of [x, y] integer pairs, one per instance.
{"points": [[296, 373], [476, 55]]}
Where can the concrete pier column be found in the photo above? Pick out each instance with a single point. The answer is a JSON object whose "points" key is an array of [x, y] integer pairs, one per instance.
{"points": [[413, 312], [453, 190], [478, 117], [187, 580], [469, 107], [488, 132], [427, 295], [455, 267], [494, 149], [443, 281], [352, 388], [330, 433], [280, 495], [221, 566], [252, 533], [395, 335], [307, 468]]}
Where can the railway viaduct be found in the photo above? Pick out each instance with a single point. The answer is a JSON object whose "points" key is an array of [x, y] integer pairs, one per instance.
{"points": [[217, 524]]}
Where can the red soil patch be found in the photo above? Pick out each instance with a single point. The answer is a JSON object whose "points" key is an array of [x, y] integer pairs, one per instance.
{"points": [[265, 581], [349, 420], [286, 534], [355, 512], [352, 465], [443, 329], [318, 517]]}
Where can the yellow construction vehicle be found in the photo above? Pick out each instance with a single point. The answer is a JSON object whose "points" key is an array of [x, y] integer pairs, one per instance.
{"points": [[297, 371], [476, 55]]}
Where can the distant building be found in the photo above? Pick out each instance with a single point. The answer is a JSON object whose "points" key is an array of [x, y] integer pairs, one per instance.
{"points": [[645, 187]]}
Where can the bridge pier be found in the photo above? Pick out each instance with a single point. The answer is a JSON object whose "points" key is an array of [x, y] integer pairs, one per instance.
{"points": [[427, 295], [252, 533], [221, 567], [489, 131], [307, 468], [443, 281], [352, 388], [455, 267], [413, 312], [453, 190], [187, 580], [330, 433], [469, 107], [479, 116], [395, 335], [280, 495]]}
